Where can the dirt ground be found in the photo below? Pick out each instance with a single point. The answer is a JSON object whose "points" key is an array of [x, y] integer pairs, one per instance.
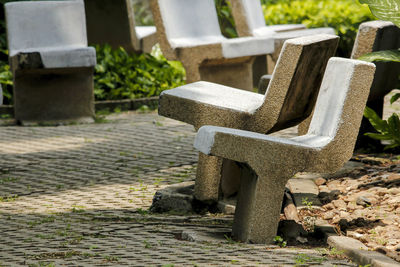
{"points": [[363, 202]]}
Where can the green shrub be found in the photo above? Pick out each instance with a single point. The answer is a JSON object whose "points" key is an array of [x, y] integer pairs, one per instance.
{"points": [[119, 75], [5, 73], [6, 82], [343, 15], [225, 18]]}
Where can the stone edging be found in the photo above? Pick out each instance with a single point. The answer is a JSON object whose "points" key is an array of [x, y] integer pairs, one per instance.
{"points": [[359, 253], [126, 104]]}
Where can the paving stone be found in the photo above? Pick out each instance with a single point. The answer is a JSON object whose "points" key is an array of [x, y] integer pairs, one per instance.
{"points": [[81, 193], [304, 190]]}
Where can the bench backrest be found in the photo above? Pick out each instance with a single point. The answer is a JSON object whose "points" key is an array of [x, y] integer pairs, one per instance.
{"points": [[45, 24], [248, 16], [112, 22], [254, 14], [185, 23], [300, 69], [189, 18], [338, 112]]}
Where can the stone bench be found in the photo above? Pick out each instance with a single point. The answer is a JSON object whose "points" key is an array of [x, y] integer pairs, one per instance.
{"points": [[113, 22], [249, 21], [188, 31], [267, 163], [51, 64], [289, 100]]}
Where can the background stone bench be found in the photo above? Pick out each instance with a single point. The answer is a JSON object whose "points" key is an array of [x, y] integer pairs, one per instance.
{"points": [[188, 31], [51, 64]]}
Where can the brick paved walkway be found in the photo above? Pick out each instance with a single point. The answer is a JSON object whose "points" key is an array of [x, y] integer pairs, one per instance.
{"points": [[78, 196]]}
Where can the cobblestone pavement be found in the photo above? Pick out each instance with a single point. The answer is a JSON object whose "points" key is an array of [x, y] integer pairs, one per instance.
{"points": [[78, 196]]}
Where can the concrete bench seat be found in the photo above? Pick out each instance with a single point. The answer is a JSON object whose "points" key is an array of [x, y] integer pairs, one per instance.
{"points": [[249, 19], [288, 100], [278, 28], [145, 31], [188, 31], [51, 63], [221, 47], [266, 163], [48, 58], [113, 22], [281, 37], [209, 103]]}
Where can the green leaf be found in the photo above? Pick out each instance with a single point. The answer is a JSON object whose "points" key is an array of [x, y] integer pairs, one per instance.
{"points": [[394, 98], [391, 146], [394, 123], [385, 9], [386, 55], [379, 136], [388, 130], [379, 124]]}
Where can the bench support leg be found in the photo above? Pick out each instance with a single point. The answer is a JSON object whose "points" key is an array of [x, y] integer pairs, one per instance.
{"points": [[259, 205], [216, 178], [208, 178]]}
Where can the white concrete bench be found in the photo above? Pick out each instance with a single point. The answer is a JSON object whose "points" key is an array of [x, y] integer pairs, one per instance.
{"points": [[113, 22], [188, 31], [51, 63], [289, 100], [267, 162], [249, 21]]}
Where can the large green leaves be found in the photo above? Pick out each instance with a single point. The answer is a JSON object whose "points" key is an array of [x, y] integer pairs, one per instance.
{"points": [[394, 98], [386, 55], [385, 9], [387, 130]]}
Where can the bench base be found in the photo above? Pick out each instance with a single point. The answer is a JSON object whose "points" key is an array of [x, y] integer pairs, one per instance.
{"points": [[235, 73], [52, 96]]}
